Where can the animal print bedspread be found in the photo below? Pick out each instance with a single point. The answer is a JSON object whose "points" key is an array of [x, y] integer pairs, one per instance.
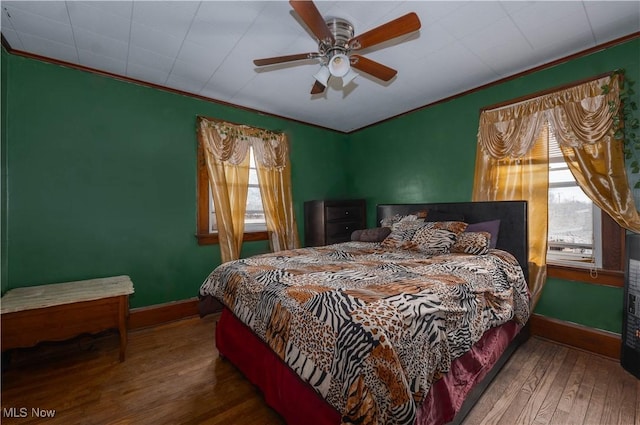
{"points": [[371, 328]]}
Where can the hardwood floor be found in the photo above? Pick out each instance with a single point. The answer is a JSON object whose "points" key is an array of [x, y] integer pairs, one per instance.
{"points": [[173, 375], [547, 383]]}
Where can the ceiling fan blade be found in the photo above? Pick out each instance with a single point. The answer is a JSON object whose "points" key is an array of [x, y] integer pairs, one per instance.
{"points": [[317, 88], [281, 59], [371, 67], [309, 13], [392, 29]]}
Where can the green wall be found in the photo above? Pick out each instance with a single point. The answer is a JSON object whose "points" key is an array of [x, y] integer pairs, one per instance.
{"points": [[429, 156], [99, 176], [3, 174], [595, 306], [102, 180]]}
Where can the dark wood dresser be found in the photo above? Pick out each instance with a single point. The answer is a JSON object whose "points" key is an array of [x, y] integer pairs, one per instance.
{"points": [[332, 221]]}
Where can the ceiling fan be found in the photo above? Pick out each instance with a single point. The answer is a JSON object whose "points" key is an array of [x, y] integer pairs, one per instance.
{"points": [[336, 44]]}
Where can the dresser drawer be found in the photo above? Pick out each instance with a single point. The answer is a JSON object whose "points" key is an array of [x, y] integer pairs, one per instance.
{"points": [[337, 239], [344, 213], [342, 230], [333, 221]]}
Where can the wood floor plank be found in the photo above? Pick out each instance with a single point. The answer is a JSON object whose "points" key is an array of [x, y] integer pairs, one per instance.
{"points": [[595, 408], [499, 386], [502, 405], [528, 414], [626, 415], [569, 393], [550, 402], [174, 375], [611, 411], [529, 386], [583, 395]]}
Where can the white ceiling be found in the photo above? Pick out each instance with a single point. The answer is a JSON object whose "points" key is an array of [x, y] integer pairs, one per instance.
{"points": [[207, 47]]}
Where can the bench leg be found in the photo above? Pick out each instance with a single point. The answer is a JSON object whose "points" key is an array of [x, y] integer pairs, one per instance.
{"points": [[122, 324]]}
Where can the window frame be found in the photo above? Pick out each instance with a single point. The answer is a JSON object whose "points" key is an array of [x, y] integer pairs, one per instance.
{"points": [[563, 178], [611, 270], [254, 227], [203, 235]]}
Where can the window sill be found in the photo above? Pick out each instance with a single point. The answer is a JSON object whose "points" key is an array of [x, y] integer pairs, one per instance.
{"points": [[599, 277], [212, 238]]}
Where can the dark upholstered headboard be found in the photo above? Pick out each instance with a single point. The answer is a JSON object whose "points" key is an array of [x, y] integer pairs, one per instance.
{"points": [[513, 234]]}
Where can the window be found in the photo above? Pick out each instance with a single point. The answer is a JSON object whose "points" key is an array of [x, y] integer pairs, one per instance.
{"points": [[574, 221], [255, 224], [254, 219], [512, 162], [583, 243]]}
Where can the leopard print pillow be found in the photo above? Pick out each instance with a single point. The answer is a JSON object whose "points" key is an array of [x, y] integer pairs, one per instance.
{"points": [[476, 243]]}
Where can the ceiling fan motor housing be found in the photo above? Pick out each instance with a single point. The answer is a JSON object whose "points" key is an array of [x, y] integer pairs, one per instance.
{"points": [[342, 31]]}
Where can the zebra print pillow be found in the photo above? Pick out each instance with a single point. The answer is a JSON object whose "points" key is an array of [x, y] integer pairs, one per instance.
{"points": [[432, 241], [432, 238], [401, 234], [476, 243]]}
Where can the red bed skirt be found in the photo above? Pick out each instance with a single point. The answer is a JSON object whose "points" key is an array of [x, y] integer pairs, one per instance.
{"points": [[299, 404]]}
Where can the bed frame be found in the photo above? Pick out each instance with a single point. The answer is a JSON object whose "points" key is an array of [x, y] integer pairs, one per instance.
{"points": [[513, 236], [289, 395]]}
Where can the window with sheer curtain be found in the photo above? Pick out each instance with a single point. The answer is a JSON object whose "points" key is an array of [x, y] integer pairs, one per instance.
{"points": [[254, 218], [207, 226], [228, 152], [516, 161]]}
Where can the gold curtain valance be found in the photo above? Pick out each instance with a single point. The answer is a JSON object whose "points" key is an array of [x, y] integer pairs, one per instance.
{"points": [[582, 114], [230, 143]]}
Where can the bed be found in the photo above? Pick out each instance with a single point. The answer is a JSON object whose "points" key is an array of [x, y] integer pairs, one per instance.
{"points": [[408, 329]]}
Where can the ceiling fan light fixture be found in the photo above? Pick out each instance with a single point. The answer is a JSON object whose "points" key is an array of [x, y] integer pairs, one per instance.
{"points": [[322, 76], [349, 77], [339, 65]]}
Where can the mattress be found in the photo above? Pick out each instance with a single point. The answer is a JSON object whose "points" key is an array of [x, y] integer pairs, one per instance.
{"points": [[371, 329]]}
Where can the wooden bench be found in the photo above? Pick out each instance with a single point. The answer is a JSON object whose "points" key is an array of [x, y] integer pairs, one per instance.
{"points": [[61, 311]]}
